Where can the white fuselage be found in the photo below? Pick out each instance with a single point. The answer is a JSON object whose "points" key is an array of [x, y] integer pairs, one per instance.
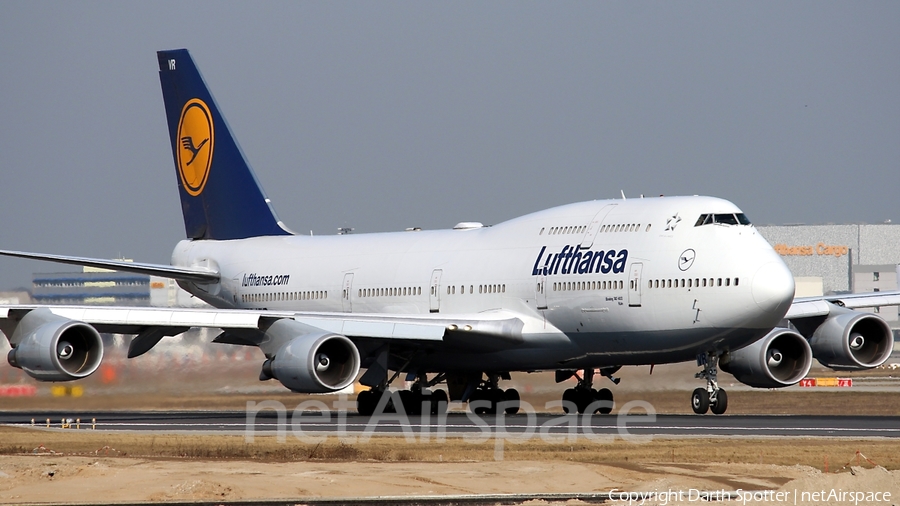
{"points": [[598, 283]]}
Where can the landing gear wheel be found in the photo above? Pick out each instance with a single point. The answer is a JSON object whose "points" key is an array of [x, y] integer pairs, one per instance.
{"points": [[605, 397], [511, 397], [568, 399], [408, 401], [439, 402], [366, 402], [584, 398], [721, 403], [700, 401], [491, 395]]}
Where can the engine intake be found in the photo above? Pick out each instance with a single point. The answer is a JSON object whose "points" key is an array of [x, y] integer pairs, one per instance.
{"points": [[851, 340], [780, 359], [53, 348], [310, 362]]}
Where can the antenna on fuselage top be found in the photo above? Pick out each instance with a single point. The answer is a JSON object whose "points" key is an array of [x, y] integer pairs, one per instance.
{"points": [[623, 194]]}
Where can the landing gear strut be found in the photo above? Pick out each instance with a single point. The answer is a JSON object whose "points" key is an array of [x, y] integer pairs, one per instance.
{"points": [[712, 398], [584, 397]]}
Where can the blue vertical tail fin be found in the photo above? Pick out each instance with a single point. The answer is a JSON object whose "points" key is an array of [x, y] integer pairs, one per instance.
{"points": [[220, 196]]}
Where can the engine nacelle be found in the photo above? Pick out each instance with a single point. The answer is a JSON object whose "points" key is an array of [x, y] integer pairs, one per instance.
{"points": [[780, 359], [851, 340], [317, 362], [52, 348]]}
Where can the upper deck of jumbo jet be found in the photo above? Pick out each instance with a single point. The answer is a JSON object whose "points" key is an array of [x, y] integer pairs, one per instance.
{"points": [[536, 227]]}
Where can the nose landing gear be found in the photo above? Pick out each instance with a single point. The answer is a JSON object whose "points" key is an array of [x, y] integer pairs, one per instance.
{"points": [[712, 398]]}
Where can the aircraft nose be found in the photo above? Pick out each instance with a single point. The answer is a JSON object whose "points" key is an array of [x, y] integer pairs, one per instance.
{"points": [[773, 288]]}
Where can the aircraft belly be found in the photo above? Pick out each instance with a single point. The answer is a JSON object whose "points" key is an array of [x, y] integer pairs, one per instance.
{"points": [[595, 350]]}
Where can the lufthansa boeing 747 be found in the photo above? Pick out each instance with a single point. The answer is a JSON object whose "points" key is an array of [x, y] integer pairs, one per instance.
{"points": [[582, 289]]}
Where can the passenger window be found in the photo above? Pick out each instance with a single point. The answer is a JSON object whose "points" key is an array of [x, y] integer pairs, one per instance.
{"points": [[720, 282], [736, 281]]}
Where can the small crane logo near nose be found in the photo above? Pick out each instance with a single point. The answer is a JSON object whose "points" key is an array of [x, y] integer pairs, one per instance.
{"points": [[686, 260]]}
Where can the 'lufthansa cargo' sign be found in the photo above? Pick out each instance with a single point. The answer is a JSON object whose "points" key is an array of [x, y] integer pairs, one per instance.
{"points": [[820, 249]]}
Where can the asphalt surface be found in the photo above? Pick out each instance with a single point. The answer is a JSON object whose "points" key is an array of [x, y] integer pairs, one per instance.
{"points": [[268, 422]]}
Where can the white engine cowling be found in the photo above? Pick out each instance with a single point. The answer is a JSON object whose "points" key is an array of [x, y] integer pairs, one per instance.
{"points": [[53, 348], [851, 340], [780, 359], [318, 362]]}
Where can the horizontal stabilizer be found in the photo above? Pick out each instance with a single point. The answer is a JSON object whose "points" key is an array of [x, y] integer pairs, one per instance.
{"points": [[166, 271]]}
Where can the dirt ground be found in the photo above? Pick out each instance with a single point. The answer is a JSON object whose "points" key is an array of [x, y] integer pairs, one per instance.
{"points": [[50, 466]]}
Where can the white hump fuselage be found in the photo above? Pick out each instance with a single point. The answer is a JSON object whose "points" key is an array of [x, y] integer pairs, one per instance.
{"points": [[600, 283]]}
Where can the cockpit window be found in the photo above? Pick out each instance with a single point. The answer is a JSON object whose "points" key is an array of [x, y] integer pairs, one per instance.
{"points": [[723, 218], [727, 219]]}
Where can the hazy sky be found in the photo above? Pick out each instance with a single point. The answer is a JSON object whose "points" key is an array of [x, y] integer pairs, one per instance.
{"points": [[387, 115]]}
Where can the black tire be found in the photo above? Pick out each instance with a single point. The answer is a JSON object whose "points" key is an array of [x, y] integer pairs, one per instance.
{"points": [[568, 398], [721, 403], [410, 401], [584, 397], [511, 396], [439, 402], [700, 401], [605, 397], [480, 395], [495, 395], [366, 402]]}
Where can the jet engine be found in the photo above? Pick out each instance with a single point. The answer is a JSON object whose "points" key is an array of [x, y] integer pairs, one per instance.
{"points": [[310, 362], [52, 348], [780, 359], [851, 340]]}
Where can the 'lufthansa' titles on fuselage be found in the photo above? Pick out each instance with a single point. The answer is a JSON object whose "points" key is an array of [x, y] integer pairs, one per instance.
{"points": [[574, 260], [265, 280]]}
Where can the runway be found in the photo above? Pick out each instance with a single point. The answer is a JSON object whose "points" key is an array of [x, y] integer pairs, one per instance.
{"points": [[271, 422]]}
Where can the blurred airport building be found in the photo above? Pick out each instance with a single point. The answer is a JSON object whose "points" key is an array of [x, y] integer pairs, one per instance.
{"points": [[92, 286], [829, 259]]}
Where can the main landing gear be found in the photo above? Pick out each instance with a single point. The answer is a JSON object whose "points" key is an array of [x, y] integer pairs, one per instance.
{"points": [[418, 400], [584, 397], [712, 398], [487, 398]]}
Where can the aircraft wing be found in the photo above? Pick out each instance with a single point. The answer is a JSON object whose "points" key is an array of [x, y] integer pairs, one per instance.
{"points": [[806, 307], [492, 330], [196, 275]]}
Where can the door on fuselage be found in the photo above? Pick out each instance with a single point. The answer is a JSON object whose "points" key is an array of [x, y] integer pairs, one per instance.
{"points": [[540, 292], [634, 285], [345, 294], [435, 297]]}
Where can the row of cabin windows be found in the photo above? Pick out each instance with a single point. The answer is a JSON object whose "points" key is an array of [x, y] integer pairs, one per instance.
{"points": [[451, 290], [565, 230], [691, 283], [629, 227], [279, 296], [390, 292], [569, 286]]}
